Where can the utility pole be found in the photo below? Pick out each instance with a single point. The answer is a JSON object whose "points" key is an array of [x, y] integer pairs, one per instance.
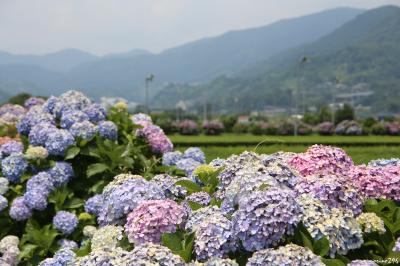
{"points": [[303, 60], [205, 106], [148, 79]]}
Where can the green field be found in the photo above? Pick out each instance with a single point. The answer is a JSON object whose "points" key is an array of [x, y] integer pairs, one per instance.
{"points": [[361, 149]]}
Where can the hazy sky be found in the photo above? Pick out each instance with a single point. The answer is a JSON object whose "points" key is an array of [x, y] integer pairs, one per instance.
{"points": [[103, 26]]}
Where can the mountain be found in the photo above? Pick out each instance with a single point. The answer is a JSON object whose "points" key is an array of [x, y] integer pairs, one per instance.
{"points": [[363, 50], [199, 61], [59, 61], [132, 53]]}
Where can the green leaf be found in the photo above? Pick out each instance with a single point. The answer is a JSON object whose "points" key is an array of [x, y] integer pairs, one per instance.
{"points": [[72, 152], [191, 186], [194, 205], [172, 241], [27, 251], [96, 168], [321, 247], [74, 203], [333, 262]]}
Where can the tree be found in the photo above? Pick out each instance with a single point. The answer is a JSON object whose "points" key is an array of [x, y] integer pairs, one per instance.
{"points": [[344, 113]]}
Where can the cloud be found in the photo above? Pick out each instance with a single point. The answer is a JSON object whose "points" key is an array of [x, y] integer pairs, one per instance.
{"points": [[103, 26]]}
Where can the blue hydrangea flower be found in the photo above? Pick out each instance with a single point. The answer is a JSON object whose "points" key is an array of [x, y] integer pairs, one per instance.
{"points": [[93, 205], [202, 198], [67, 244], [71, 117], [35, 199], [171, 158], [385, 162], [196, 154], [48, 106], [61, 173], [70, 100], [65, 222], [11, 147], [167, 184], [95, 112], [220, 262], [265, 217], [58, 142], [290, 254], [13, 167], [3, 202], [34, 117], [41, 182], [122, 197], [39, 133], [362, 263], [84, 130], [188, 165], [33, 101], [108, 130], [151, 254], [19, 211], [64, 256]]}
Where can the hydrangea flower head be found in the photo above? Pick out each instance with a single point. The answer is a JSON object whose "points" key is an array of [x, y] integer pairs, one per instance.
{"points": [[67, 244], [36, 199], [65, 222], [265, 217], [11, 147], [150, 219], [108, 130], [40, 132], [196, 154], [4, 185], [71, 117], [84, 130], [370, 222], [19, 211], [59, 141], [167, 184], [42, 182], [33, 101], [171, 158], [3, 203], [95, 112], [93, 204], [61, 173], [36, 153], [13, 167], [200, 215], [107, 237], [202, 198], [290, 254], [152, 254], [141, 119], [396, 247], [188, 165]]}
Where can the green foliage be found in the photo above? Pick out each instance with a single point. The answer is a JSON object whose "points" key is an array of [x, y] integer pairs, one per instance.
{"points": [[180, 243], [20, 98], [344, 113]]}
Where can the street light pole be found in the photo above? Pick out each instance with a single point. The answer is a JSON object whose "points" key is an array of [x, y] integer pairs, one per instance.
{"points": [[148, 79]]}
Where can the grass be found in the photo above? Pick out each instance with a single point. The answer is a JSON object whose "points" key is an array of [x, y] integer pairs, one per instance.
{"points": [[247, 139], [359, 155]]}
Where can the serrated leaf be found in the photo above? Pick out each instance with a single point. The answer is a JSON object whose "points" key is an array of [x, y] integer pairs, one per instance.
{"points": [[191, 186], [27, 251], [72, 152], [96, 168]]}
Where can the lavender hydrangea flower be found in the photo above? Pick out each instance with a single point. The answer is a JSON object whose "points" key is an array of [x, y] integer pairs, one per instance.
{"points": [[59, 141], [71, 117], [288, 255], [122, 196], [362, 263], [11, 147], [64, 256], [108, 130], [171, 158], [84, 130], [65, 222], [3, 185], [19, 211], [3, 203], [95, 112], [160, 143], [167, 184], [42, 182], [141, 119], [150, 219], [39, 133], [93, 205], [36, 199], [202, 198], [220, 262], [214, 238], [200, 215], [385, 162], [67, 244], [61, 173], [50, 103], [396, 247], [33, 101], [13, 167], [152, 254], [196, 154], [265, 217]]}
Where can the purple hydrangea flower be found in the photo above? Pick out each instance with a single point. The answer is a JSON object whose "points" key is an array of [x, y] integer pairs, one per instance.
{"points": [[200, 215], [61, 173], [122, 197], [220, 262], [108, 130], [171, 158], [19, 211], [196, 154], [202, 198], [11, 147], [265, 217], [93, 205], [362, 263], [150, 219], [167, 184], [3, 203], [13, 167], [214, 238], [95, 112], [141, 119], [58, 142], [160, 143], [65, 222], [84, 130], [39, 133], [71, 117], [33, 101]]}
